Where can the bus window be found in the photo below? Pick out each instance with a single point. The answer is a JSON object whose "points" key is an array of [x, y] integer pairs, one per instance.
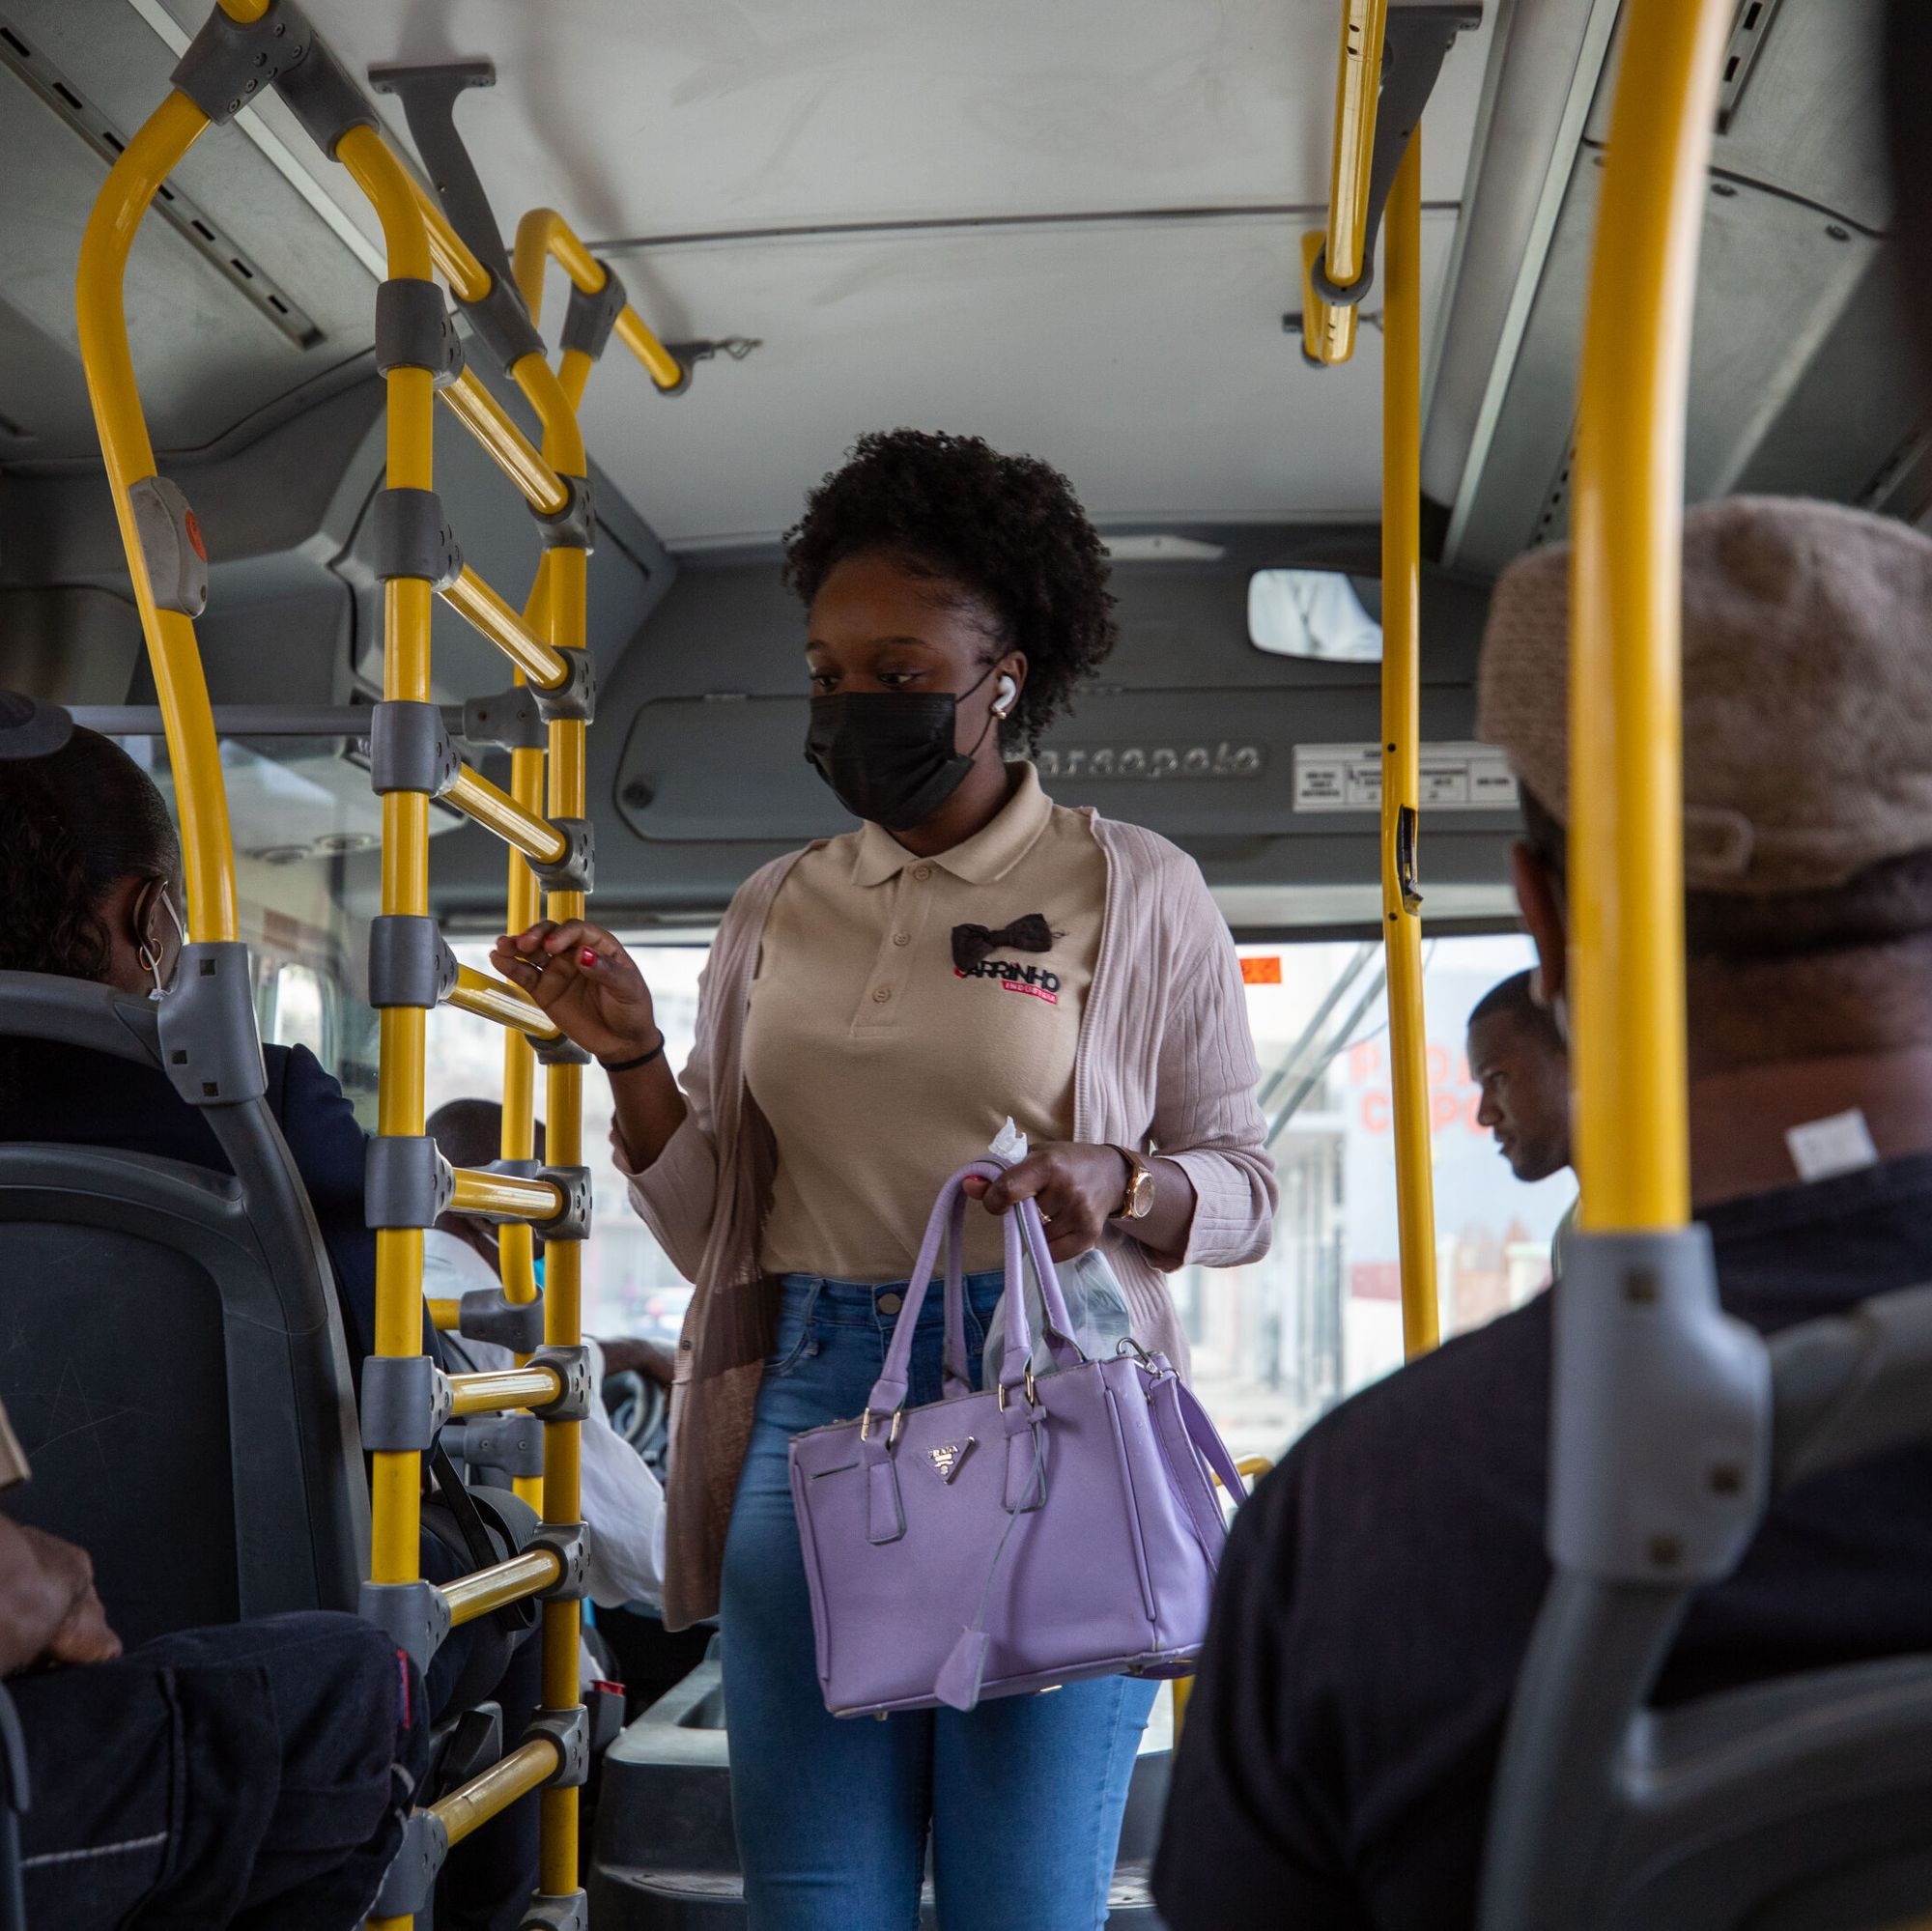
{"points": [[300, 1010], [1280, 1342]]}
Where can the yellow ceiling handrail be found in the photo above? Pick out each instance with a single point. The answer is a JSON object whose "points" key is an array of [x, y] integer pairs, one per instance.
{"points": [[1329, 331]]}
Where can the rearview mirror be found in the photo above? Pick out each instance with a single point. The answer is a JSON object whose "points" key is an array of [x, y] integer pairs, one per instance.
{"points": [[1323, 614]]}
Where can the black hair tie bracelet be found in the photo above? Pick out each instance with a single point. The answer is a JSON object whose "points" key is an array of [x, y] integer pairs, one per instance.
{"points": [[631, 1065]]}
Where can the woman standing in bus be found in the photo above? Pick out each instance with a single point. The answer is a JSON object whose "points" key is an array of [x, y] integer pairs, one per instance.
{"points": [[873, 1010]]}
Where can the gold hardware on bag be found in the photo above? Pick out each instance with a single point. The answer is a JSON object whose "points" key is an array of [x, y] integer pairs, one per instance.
{"points": [[952, 1458]]}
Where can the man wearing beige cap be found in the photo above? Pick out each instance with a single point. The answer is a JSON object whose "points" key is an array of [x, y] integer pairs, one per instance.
{"points": [[1378, 1591]]}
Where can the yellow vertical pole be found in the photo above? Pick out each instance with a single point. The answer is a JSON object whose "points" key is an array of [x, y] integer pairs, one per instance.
{"points": [[1625, 751], [129, 455], [517, 1249], [563, 585], [396, 1478], [1402, 745]]}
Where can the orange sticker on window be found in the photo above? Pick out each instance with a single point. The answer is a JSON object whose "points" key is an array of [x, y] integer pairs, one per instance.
{"points": [[1263, 970]]}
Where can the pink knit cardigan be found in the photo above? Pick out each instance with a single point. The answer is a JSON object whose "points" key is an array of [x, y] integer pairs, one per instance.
{"points": [[1164, 1062]]}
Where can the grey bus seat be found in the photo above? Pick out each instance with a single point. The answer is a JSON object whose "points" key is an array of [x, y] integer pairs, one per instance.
{"points": [[174, 1360], [1802, 1803]]}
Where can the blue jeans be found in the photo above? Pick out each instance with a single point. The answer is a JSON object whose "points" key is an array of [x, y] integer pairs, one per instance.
{"points": [[1022, 1798]]}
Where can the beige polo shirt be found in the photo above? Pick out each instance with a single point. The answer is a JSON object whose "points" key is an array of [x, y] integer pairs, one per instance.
{"points": [[881, 1063]]}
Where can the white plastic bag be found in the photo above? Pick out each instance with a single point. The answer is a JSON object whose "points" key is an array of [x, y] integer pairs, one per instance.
{"points": [[1095, 1306]]}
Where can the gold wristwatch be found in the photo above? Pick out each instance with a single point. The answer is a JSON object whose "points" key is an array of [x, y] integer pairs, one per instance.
{"points": [[1137, 1203]]}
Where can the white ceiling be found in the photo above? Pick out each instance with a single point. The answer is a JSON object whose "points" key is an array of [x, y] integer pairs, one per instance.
{"points": [[1144, 355]]}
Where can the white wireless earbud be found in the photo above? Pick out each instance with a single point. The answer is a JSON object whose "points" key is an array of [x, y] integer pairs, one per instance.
{"points": [[1004, 694]]}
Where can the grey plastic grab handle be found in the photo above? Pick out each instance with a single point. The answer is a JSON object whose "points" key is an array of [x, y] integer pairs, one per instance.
{"points": [[80, 1012]]}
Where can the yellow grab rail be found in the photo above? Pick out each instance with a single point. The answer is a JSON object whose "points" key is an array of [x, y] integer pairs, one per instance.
{"points": [[508, 447], [1626, 874], [473, 1806], [544, 234], [194, 754], [495, 1389], [502, 1584], [476, 1190], [498, 1001], [474, 600], [1329, 332], [1401, 748], [496, 811]]}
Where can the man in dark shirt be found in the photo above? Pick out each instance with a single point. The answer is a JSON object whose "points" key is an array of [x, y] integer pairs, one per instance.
{"points": [[1378, 1591]]}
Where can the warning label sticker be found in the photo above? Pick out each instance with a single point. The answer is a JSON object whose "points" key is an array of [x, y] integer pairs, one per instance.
{"points": [[1455, 778]]}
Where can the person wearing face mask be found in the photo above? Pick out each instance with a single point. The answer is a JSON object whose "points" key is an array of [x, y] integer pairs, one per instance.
{"points": [[874, 1009]]}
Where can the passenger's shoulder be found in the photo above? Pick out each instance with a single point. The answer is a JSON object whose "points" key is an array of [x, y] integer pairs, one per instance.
{"points": [[1455, 1418], [754, 898], [1168, 879]]}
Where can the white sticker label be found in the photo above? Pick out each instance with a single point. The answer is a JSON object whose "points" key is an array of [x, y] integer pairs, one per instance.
{"points": [[1455, 778], [1840, 1144]]}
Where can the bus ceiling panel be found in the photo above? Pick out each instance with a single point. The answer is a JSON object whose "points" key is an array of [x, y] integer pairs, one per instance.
{"points": [[69, 643], [1801, 107], [1190, 761], [1149, 361], [1778, 282], [655, 121], [238, 292]]}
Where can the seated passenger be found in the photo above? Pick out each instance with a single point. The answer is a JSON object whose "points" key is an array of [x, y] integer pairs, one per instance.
{"points": [[1521, 1070], [90, 883], [254, 1776], [621, 1498], [1379, 1589]]}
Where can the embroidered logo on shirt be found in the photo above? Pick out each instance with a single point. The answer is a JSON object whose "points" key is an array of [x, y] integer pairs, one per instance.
{"points": [[974, 946], [1035, 981]]}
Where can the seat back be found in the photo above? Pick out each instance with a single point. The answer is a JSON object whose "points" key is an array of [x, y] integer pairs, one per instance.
{"points": [[175, 1365], [1796, 1804]]}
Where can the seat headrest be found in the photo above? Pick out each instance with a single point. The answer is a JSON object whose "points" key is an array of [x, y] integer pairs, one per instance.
{"points": [[30, 728]]}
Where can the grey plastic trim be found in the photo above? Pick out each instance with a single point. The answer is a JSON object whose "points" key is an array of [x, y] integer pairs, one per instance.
{"points": [[414, 329], [1661, 1419], [409, 1883], [409, 748], [577, 870], [570, 1731], [573, 1367], [511, 1442], [589, 319], [547, 1911], [404, 1400], [229, 62], [405, 1181], [324, 97], [570, 1543], [573, 1221], [1852, 1384], [576, 698], [509, 720], [206, 1030], [409, 963], [171, 546], [489, 1314], [558, 1051], [575, 525], [429, 94], [410, 537], [413, 1615]]}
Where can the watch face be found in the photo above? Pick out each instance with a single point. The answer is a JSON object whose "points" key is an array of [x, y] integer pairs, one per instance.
{"points": [[1140, 1195]]}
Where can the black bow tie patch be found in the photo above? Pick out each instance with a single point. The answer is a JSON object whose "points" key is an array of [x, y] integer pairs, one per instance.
{"points": [[972, 945]]}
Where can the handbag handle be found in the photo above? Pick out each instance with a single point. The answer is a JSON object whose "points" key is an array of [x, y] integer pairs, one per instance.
{"points": [[889, 1391], [1065, 1350]]}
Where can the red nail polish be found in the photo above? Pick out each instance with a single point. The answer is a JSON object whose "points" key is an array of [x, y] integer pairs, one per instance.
{"points": [[588, 956]]}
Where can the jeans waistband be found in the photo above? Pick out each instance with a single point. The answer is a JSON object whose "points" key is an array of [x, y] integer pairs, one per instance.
{"points": [[829, 1292]]}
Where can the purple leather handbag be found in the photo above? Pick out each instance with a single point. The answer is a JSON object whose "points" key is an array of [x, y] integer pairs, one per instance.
{"points": [[1059, 1526]]}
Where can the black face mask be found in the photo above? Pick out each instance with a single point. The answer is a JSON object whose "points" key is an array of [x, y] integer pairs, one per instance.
{"points": [[889, 756]]}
